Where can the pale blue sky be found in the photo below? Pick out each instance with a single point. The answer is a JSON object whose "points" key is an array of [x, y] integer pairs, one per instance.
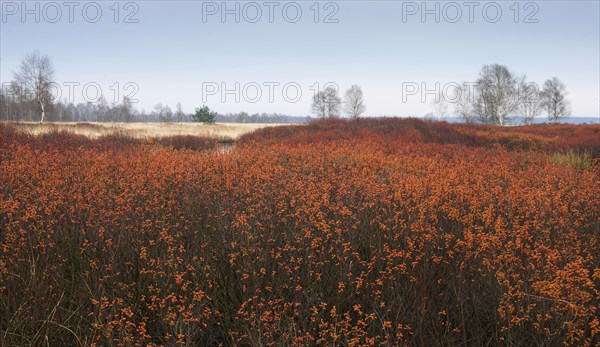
{"points": [[172, 51]]}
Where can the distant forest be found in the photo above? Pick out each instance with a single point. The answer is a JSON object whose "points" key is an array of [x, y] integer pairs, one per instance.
{"points": [[13, 108]]}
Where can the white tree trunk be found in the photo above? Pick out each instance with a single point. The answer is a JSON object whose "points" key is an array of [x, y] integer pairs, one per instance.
{"points": [[43, 112]]}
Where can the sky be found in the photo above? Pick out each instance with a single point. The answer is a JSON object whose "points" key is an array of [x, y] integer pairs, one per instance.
{"points": [[271, 56]]}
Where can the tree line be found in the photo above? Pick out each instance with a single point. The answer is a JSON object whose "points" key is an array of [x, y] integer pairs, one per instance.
{"points": [[499, 95], [328, 104], [29, 98], [496, 97]]}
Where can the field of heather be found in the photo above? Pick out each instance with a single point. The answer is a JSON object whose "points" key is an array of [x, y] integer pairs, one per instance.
{"points": [[339, 233]]}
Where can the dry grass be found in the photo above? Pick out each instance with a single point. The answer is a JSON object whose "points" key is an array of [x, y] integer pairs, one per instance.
{"points": [[578, 160], [221, 131]]}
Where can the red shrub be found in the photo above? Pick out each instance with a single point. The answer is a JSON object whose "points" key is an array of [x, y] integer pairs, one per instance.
{"points": [[367, 232]]}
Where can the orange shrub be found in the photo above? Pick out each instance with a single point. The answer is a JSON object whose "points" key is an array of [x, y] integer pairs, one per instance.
{"points": [[369, 232]]}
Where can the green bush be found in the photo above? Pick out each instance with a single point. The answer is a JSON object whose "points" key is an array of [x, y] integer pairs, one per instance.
{"points": [[204, 115]]}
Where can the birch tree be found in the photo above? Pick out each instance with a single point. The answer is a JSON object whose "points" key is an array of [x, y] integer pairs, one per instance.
{"points": [[326, 103], [554, 96], [463, 99], [354, 104], [497, 94], [36, 74], [530, 104]]}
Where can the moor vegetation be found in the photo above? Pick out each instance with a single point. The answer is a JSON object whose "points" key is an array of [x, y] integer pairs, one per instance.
{"points": [[340, 233]]}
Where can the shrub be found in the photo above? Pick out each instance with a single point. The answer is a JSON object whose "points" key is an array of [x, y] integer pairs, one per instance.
{"points": [[204, 115], [340, 233]]}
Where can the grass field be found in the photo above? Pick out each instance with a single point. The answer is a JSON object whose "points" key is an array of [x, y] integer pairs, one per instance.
{"points": [[340, 233], [227, 131]]}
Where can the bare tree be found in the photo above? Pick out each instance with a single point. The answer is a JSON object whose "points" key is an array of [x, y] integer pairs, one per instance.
{"points": [[530, 103], [37, 75], [554, 100], [463, 99], [126, 110], [159, 112], [168, 114], [179, 113], [440, 106], [497, 94], [354, 104], [326, 103], [102, 110], [18, 103]]}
